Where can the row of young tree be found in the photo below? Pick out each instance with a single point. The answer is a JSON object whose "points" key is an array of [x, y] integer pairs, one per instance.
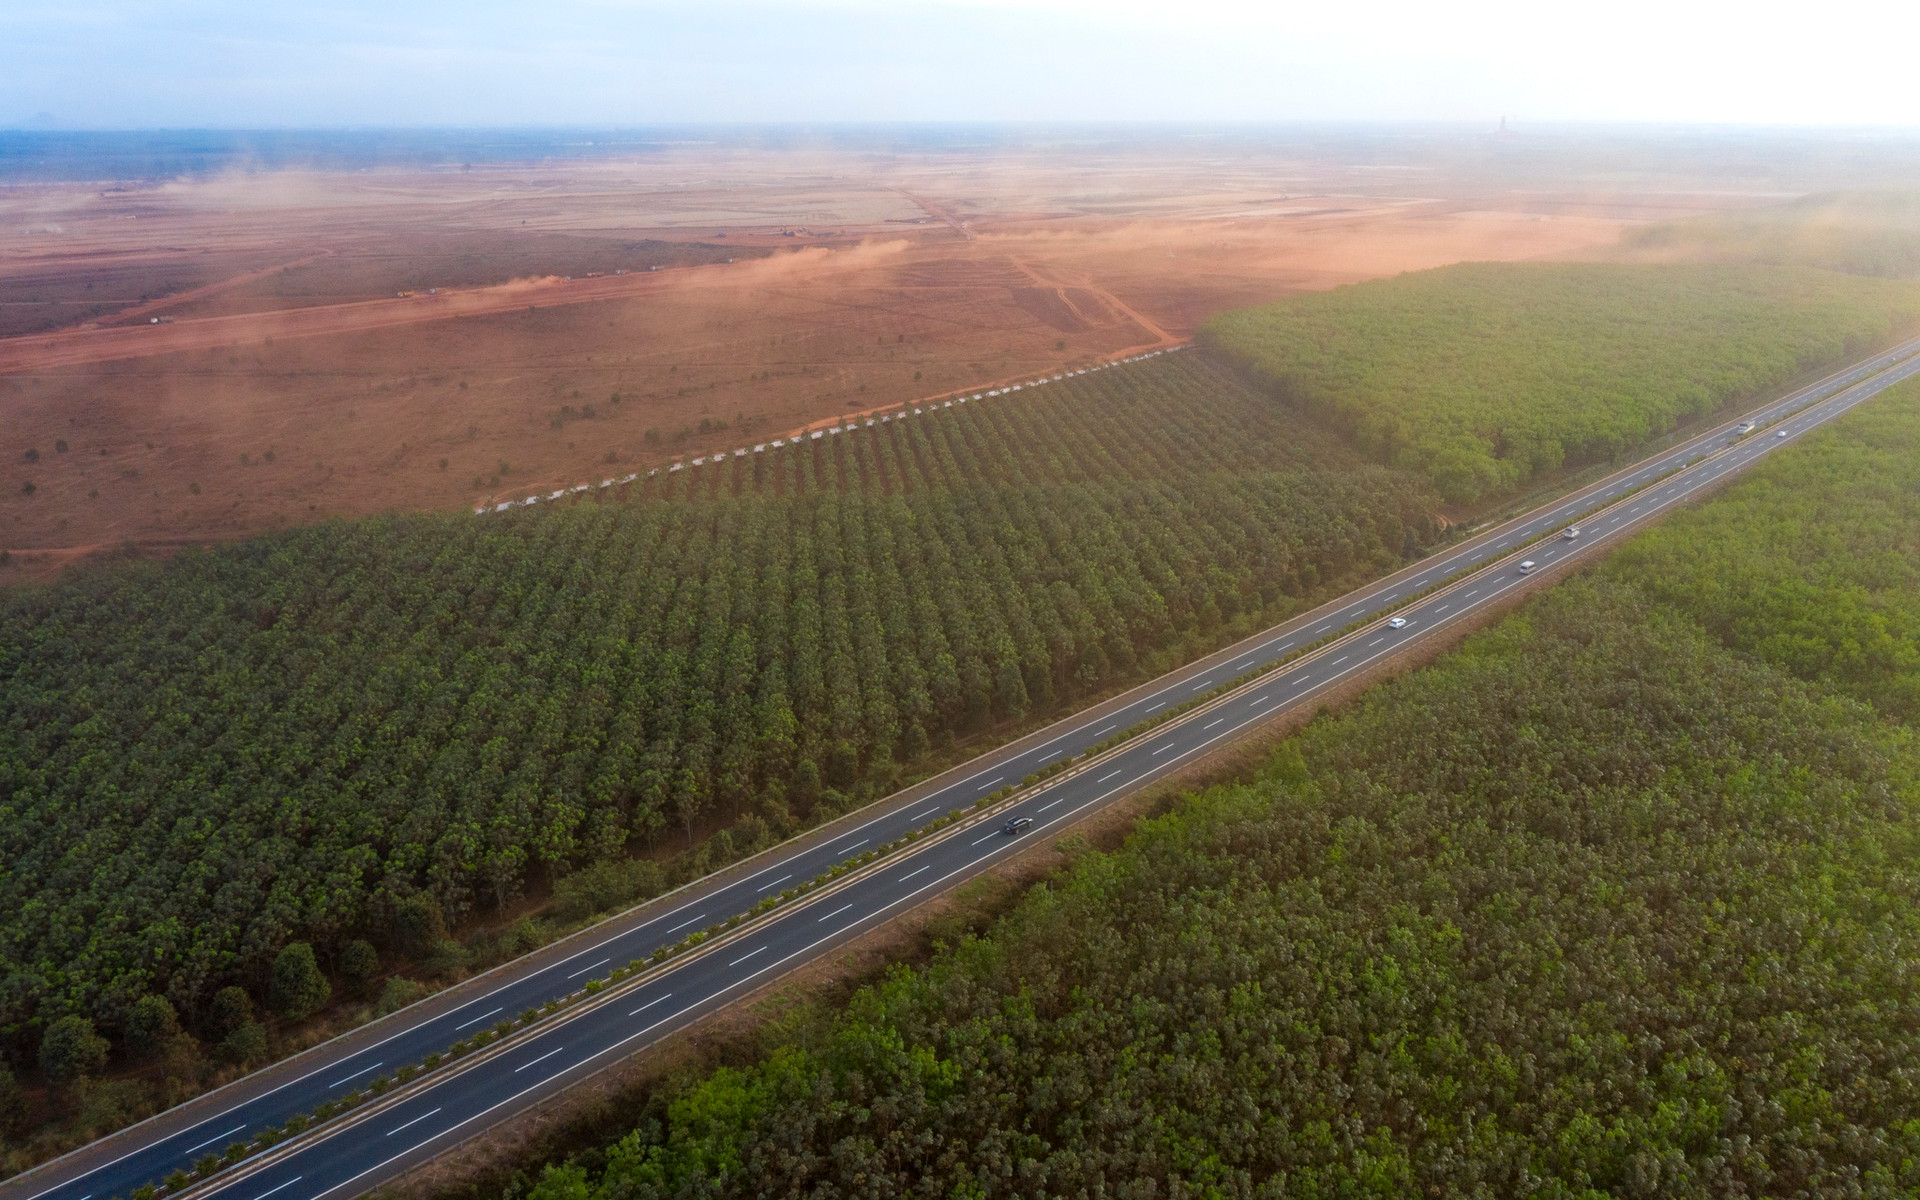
{"points": [[1483, 375], [362, 730], [1596, 906]]}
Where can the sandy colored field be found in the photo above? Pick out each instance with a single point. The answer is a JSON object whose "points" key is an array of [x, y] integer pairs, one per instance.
{"points": [[292, 383]]}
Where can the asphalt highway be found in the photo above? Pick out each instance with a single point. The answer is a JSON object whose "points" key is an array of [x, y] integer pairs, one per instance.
{"points": [[374, 1145]]}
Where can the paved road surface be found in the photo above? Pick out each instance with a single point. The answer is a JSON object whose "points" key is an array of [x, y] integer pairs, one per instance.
{"points": [[372, 1150]]}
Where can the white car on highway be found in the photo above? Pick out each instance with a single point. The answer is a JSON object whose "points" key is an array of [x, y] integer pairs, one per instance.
{"points": [[1570, 533], [1396, 623]]}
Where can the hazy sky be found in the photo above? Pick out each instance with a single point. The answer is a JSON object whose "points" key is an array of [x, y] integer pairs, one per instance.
{"points": [[144, 63]]}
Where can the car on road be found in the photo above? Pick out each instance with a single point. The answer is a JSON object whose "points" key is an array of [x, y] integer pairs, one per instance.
{"points": [[1782, 433], [1526, 568], [1569, 533], [1397, 623], [1016, 826], [1745, 428]]}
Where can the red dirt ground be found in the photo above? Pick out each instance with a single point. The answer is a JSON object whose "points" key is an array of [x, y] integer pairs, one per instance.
{"points": [[292, 383]]}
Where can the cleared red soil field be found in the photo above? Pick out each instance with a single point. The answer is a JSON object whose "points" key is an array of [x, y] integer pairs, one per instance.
{"points": [[292, 383]]}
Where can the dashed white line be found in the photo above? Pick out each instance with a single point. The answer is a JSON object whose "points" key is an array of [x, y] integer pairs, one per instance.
{"points": [[1473, 593], [776, 883], [412, 1123], [1164, 748], [649, 1004], [928, 813], [1162, 704], [989, 783], [1302, 679], [536, 1062], [1255, 704], [483, 1016], [1196, 687], [684, 924], [836, 912], [1443, 608], [1108, 729], [744, 957], [349, 1079], [854, 846], [1110, 775], [263, 1195], [1221, 721], [229, 1133], [912, 873], [989, 837], [590, 966]]}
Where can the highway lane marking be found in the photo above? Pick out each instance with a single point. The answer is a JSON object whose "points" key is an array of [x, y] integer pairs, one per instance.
{"points": [[687, 922], [1443, 608], [1341, 659], [1256, 704], [412, 1123], [1042, 808], [649, 1004], [928, 813], [1108, 729], [911, 874], [210, 1141], [1244, 663], [483, 1016], [1110, 775], [1850, 402], [1384, 599], [1375, 642], [736, 962], [1473, 593], [776, 883], [590, 966], [1162, 704], [1420, 583], [1166, 747], [855, 846], [836, 912], [1204, 728], [349, 1079], [990, 836], [536, 1062], [270, 1191], [989, 783], [1302, 679], [1323, 629], [1196, 687]]}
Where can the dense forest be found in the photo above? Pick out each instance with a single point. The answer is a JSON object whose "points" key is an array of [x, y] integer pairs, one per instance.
{"points": [[1621, 898], [360, 732], [1481, 376]]}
